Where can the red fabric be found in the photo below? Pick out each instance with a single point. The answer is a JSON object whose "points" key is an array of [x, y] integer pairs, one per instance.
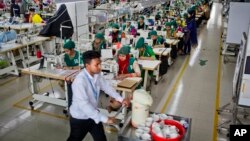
{"points": [[2, 5], [115, 37], [118, 45], [123, 65], [179, 29]]}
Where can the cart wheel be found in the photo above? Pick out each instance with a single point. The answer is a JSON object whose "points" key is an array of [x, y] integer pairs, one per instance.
{"points": [[120, 125], [31, 103], [65, 111], [156, 82], [19, 74], [47, 94], [228, 135], [245, 116], [219, 131], [218, 112]]}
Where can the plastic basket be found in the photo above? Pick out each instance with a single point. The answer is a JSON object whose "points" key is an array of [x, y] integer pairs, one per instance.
{"points": [[170, 122]]}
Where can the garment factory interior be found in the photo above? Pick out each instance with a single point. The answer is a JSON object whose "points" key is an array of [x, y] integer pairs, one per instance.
{"points": [[195, 72]]}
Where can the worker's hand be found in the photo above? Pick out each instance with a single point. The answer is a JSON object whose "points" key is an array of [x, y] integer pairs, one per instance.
{"points": [[58, 67], [66, 68], [158, 46], [146, 58], [70, 79], [111, 120], [126, 102], [142, 58], [120, 77]]}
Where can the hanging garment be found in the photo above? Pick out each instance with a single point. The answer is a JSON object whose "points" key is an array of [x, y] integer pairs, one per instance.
{"points": [[61, 18]]}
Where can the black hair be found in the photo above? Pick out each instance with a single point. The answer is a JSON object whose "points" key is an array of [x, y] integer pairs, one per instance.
{"points": [[90, 55], [32, 9]]}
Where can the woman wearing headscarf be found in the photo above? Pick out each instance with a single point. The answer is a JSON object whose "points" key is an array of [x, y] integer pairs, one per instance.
{"points": [[141, 23], [145, 52], [127, 27], [158, 16], [170, 32], [116, 33], [157, 40], [180, 23], [99, 42], [72, 58], [72, 61], [128, 66]]}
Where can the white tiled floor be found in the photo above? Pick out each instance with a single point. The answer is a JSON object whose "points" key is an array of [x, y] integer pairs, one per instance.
{"points": [[194, 96]]}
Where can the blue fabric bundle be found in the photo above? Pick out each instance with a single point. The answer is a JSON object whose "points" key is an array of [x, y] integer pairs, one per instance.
{"points": [[8, 36], [151, 22]]}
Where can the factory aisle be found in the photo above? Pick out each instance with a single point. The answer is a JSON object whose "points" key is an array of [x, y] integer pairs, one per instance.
{"points": [[189, 89], [194, 94]]}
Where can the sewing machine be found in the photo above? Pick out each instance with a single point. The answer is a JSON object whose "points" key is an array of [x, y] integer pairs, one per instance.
{"points": [[134, 53], [110, 66], [24, 38]]}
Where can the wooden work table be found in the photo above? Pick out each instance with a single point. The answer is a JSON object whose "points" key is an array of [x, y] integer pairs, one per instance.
{"points": [[149, 65], [14, 46]]}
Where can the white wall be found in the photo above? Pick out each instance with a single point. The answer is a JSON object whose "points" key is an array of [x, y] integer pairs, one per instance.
{"points": [[78, 11], [239, 19]]}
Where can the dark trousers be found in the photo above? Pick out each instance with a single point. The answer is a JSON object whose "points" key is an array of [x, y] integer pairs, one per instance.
{"points": [[173, 52], [70, 93], [187, 47], [80, 127], [180, 44]]}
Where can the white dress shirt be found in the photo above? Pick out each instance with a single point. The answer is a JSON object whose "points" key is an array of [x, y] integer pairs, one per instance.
{"points": [[84, 102]]}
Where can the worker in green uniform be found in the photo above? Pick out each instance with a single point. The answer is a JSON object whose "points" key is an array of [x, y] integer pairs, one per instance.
{"points": [[99, 42], [158, 16], [141, 23], [145, 52], [170, 32], [128, 67], [157, 40], [72, 61], [72, 58], [174, 23], [127, 27], [116, 33]]}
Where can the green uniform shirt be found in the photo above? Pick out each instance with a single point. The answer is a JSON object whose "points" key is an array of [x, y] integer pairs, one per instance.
{"points": [[118, 39], [103, 45], [124, 27], [171, 33], [72, 62], [143, 26], [148, 52], [159, 41], [130, 67]]}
